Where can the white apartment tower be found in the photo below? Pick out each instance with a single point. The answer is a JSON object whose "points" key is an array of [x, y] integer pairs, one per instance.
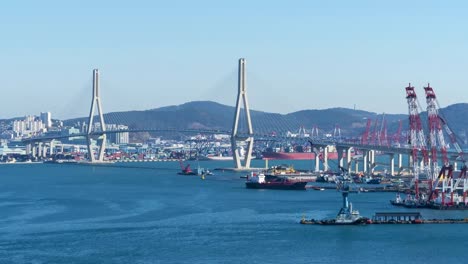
{"points": [[46, 119]]}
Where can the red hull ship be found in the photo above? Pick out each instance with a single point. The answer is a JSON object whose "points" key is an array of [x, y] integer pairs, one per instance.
{"points": [[295, 155]]}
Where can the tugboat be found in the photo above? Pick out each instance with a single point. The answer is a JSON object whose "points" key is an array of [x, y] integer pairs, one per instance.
{"points": [[186, 170], [346, 215], [259, 181]]}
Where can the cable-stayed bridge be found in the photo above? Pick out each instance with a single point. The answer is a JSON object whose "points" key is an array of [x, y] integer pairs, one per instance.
{"points": [[248, 127]]}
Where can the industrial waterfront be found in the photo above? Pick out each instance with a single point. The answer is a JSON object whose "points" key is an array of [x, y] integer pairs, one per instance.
{"points": [[160, 132], [57, 213]]}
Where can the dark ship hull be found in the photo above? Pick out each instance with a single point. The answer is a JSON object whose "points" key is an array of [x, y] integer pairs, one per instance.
{"points": [[277, 185]]}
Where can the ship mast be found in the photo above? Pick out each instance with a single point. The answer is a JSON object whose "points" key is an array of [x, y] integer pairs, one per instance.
{"points": [[343, 187]]}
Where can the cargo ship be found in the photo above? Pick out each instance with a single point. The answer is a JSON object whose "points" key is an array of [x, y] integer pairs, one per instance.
{"points": [[260, 181], [296, 154]]}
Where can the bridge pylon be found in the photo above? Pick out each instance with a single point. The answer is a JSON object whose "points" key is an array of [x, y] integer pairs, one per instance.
{"points": [[96, 102], [235, 137]]}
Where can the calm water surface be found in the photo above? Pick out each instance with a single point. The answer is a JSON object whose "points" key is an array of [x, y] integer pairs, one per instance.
{"points": [[96, 214]]}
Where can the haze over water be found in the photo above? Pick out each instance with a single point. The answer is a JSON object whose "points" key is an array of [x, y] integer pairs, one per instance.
{"points": [[96, 214]]}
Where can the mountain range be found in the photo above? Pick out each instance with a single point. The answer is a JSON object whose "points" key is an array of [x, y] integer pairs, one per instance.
{"points": [[215, 116]]}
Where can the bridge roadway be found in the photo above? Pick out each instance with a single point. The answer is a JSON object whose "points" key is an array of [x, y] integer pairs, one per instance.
{"points": [[99, 133], [339, 144], [258, 137]]}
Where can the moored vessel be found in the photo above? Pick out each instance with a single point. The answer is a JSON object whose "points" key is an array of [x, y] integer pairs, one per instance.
{"points": [[260, 181], [292, 174], [293, 154], [288, 155], [442, 202]]}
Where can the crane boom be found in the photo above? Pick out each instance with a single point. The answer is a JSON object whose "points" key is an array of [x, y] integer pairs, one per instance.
{"points": [[417, 138]]}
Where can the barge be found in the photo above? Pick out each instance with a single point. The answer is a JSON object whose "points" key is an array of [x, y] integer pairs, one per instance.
{"points": [[436, 204], [383, 218]]}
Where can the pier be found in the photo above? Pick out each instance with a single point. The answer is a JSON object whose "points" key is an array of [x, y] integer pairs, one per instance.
{"points": [[382, 218]]}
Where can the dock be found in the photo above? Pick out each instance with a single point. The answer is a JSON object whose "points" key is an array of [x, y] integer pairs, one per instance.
{"points": [[429, 205], [382, 218]]}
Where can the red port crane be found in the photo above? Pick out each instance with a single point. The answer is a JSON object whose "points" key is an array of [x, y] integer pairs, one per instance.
{"points": [[436, 138], [436, 123], [417, 138], [365, 136]]}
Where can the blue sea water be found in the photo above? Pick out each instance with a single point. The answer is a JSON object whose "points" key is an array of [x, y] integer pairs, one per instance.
{"points": [[146, 213]]}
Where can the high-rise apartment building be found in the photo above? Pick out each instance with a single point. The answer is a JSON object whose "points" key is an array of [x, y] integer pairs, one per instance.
{"points": [[46, 119]]}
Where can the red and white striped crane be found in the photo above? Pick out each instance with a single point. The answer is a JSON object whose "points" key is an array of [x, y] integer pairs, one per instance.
{"points": [[436, 136], [417, 138], [365, 136], [445, 176]]}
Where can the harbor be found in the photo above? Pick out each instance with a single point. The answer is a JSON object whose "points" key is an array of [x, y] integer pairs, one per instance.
{"points": [[349, 216], [150, 206]]}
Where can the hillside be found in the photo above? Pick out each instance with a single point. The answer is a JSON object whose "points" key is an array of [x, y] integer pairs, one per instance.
{"points": [[211, 115]]}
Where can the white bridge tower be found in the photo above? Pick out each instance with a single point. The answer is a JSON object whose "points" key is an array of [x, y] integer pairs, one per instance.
{"points": [[96, 101], [235, 137]]}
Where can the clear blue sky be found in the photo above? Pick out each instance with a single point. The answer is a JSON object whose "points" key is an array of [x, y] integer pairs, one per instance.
{"points": [[300, 54]]}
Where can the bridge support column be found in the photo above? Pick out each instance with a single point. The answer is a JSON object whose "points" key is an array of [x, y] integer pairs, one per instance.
{"points": [[44, 150], [28, 149], [34, 150], [235, 137], [52, 148], [348, 160], [339, 151], [400, 162], [325, 159], [341, 161], [317, 161], [365, 160], [373, 161], [356, 168], [316, 151], [39, 149], [96, 101], [392, 164]]}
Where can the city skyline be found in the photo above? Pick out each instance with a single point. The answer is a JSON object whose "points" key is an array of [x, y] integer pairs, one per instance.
{"points": [[152, 54]]}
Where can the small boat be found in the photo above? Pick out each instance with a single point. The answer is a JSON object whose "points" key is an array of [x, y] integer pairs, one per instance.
{"points": [[317, 188], [258, 181], [373, 181], [186, 170]]}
